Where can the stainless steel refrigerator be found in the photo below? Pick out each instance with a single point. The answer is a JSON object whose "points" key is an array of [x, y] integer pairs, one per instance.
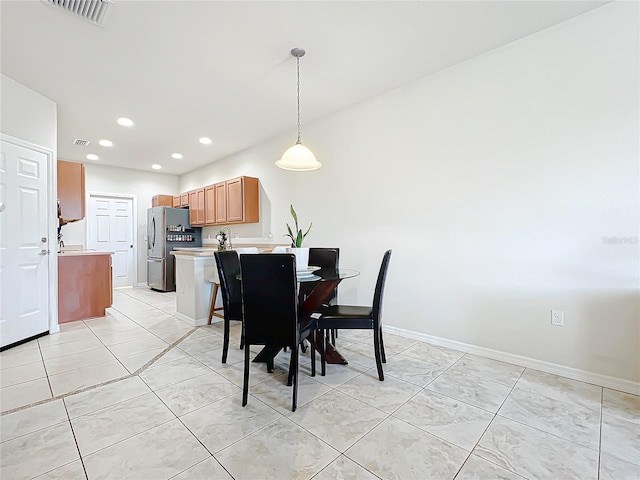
{"points": [[167, 228]]}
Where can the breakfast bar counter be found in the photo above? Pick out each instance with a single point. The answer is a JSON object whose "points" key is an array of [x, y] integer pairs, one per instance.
{"points": [[196, 272]]}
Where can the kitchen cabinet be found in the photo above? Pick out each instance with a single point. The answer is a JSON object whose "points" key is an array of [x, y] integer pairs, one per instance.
{"points": [[162, 201], [232, 201], [209, 205], [84, 285], [71, 191], [242, 200], [176, 201], [196, 207], [220, 193]]}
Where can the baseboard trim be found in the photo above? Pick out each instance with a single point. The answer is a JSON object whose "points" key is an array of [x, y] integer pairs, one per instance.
{"points": [[195, 322], [574, 373]]}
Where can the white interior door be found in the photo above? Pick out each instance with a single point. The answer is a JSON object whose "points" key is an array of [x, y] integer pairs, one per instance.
{"points": [[111, 227], [24, 243]]}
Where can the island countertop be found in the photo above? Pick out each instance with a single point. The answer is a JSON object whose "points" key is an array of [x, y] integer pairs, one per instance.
{"points": [[73, 253], [207, 250]]}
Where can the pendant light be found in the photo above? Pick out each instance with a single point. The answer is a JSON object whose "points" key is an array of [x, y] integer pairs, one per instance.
{"points": [[298, 157]]}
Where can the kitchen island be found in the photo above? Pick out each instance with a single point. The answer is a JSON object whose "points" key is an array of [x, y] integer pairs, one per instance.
{"points": [[84, 285], [195, 268]]}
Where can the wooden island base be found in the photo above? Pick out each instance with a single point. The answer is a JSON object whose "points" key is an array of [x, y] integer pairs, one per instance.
{"points": [[84, 285]]}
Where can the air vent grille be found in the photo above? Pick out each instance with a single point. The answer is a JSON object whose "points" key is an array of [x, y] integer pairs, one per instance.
{"points": [[81, 143], [95, 11]]}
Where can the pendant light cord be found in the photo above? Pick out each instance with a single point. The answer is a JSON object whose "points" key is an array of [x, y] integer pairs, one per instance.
{"points": [[298, 87]]}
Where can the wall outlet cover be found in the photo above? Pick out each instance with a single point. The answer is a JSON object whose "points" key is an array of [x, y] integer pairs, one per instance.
{"points": [[557, 318]]}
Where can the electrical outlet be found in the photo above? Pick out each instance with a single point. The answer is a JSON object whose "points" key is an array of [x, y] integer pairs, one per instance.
{"points": [[557, 318]]}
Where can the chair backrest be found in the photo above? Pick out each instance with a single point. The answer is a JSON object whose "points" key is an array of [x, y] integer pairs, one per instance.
{"points": [[323, 258], [269, 299], [228, 266], [377, 296]]}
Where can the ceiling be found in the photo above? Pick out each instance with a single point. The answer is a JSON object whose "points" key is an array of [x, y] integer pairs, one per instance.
{"points": [[186, 69]]}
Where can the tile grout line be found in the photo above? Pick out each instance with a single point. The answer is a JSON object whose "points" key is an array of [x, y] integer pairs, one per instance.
{"points": [[75, 439], [108, 382]]}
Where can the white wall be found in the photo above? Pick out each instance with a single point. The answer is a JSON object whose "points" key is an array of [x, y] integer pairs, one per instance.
{"points": [[143, 185], [500, 184], [31, 117], [27, 115]]}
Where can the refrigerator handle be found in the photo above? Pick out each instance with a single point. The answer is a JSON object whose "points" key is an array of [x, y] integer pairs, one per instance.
{"points": [[152, 238]]}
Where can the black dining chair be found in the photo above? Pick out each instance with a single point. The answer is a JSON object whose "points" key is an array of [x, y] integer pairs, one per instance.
{"points": [[228, 265], [358, 317], [323, 258], [270, 312]]}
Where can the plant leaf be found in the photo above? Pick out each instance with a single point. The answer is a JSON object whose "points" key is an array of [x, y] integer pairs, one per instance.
{"points": [[299, 239], [295, 217], [308, 230]]}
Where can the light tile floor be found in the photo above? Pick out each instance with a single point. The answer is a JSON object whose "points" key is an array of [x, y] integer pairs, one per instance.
{"points": [[140, 394]]}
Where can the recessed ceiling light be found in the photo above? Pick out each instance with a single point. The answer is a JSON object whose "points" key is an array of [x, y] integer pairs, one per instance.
{"points": [[92, 156], [125, 122], [155, 166], [105, 143], [177, 156], [205, 141]]}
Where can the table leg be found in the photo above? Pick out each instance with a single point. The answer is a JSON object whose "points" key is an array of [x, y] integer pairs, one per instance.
{"points": [[312, 303]]}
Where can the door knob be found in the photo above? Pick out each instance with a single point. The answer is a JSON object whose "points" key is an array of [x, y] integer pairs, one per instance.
{"points": [[43, 239], [44, 252]]}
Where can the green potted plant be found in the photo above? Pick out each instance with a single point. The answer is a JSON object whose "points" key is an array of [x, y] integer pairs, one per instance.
{"points": [[301, 253]]}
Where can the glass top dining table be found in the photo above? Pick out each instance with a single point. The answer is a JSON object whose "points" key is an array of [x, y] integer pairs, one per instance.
{"points": [[315, 274], [327, 279]]}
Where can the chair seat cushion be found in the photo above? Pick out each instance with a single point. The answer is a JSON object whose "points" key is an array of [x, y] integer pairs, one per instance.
{"points": [[346, 311], [345, 317]]}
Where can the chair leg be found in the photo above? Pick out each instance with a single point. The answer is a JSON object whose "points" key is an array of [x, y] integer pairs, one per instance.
{"points": [[313, 353], [212, 308], [213, 303], [269, 364], [384, 357], [323, 353], [290, 375], [225, 344], [245, 384], [294, 366], [376, 347]]}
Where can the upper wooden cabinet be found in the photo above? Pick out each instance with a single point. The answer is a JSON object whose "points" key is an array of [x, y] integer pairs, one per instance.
{"points": [[242, 200], [71, 190], [176, 201], [162, 201], [232, 201], [221, 202], [196, 207], [184, 199], [209, 205]]}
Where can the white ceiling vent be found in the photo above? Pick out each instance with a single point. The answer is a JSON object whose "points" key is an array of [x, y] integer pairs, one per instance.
{"points": [[95, 11], [81, 143]]}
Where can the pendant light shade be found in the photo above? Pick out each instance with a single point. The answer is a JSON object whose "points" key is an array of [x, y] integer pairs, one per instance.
{"points": [[298, 157]]}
